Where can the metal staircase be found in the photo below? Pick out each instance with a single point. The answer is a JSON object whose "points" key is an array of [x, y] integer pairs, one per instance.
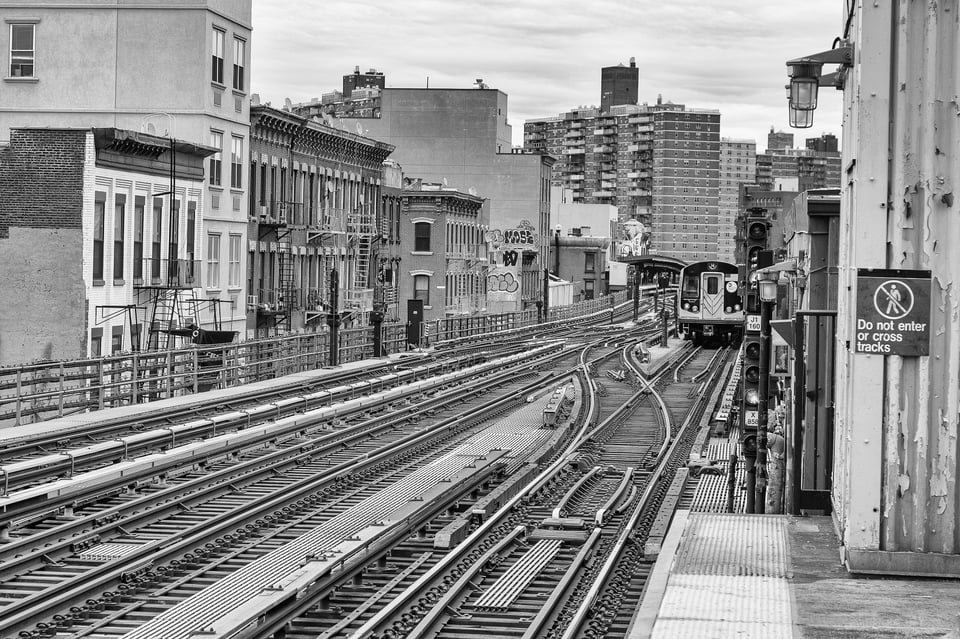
{"points": [[167, 315], [360, 234], [286, 284]]}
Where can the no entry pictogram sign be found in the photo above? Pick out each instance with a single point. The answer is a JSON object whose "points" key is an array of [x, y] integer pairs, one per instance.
{"points": [[893, 312]]}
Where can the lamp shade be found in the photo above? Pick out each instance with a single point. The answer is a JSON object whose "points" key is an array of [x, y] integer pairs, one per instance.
{"points": [[768, 290], [803, 92], [800, 119]]}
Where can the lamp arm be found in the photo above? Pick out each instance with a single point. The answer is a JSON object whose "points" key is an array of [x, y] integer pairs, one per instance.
{"points": [[841, 55]]}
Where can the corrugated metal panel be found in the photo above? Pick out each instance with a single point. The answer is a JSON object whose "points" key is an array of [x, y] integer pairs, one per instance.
{"points": [[915, 421]]}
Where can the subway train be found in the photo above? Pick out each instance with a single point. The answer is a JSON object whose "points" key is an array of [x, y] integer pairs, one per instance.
{"points": [[711, 302]]}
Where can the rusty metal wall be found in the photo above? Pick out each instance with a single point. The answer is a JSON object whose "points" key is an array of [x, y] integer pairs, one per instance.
{"points": [[902, 111]]}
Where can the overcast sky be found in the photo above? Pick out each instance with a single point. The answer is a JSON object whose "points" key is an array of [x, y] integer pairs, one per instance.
{"points": [[546, 55]]}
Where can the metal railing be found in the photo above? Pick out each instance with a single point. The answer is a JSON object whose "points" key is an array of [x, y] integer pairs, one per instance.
{"points": [[35, 392]]}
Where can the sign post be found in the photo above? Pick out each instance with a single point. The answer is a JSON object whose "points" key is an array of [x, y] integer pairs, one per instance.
{"points": [[893, 312]]}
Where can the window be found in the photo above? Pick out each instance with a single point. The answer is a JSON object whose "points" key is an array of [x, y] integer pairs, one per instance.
{"points": [[116, 343], [421, 236], [421, 288], [173, 244], [236, 163], [590, 262], [138, 206], [236, 245], [213, 260], [118, 224], [99, 213], [96, 342], [239, 51], [156, 239], [216, 70], [21, 50], [191, 233], [216, 160]]}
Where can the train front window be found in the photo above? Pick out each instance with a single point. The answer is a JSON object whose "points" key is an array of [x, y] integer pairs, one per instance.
{"points": [[691, 286], [713, 285]]}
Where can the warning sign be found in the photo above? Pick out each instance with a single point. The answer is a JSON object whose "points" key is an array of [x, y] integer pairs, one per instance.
{"points": [[893, 312]]}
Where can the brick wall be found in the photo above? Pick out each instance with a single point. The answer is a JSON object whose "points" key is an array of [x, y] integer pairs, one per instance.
{"points": [[41, 179], [41, 246]]}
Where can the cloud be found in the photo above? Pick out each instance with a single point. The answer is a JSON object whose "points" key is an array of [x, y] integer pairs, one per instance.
{"points": [[546, 55]]}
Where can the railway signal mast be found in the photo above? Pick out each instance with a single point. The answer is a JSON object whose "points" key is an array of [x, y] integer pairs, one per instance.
{"points": [[757, 256]]}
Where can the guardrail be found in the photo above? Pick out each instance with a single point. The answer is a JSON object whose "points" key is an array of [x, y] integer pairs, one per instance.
{"points": [[45, 390]]}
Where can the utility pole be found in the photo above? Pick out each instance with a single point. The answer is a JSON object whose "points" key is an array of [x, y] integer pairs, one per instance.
{"points": [[333, 318]]}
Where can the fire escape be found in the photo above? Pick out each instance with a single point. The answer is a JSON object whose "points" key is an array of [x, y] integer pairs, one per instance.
{"points": [[360, 238], [276, 303]]}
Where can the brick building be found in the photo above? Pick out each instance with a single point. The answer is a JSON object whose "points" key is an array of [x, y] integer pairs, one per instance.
{"points": [[316, 206], [444, 252], [118, 264]]}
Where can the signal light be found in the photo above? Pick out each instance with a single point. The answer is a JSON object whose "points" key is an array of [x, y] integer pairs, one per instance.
{"points": [[752, 350], [752, 374], [748, 444], [757, 231]]}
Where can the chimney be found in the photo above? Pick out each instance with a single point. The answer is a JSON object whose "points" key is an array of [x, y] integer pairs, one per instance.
{"points": [[633, 62]]}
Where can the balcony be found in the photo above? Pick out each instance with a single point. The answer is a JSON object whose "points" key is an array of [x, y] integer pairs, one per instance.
{"points": [[602, 194], [574, 151], [158, 273], [576, 133], [272, 302], [575, 177], [604, 131], [603, 148]]}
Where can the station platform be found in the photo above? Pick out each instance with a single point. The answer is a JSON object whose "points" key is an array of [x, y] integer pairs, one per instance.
{"points": [[771, 576], [78, 423]]}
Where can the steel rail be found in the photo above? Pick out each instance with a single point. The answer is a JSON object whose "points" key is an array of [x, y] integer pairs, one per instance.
{"points": [[663, 461]]}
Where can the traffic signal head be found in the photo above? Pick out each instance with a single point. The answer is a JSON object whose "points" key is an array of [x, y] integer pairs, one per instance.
{"points": [[748, 445], [751, 381], [757, 231]]}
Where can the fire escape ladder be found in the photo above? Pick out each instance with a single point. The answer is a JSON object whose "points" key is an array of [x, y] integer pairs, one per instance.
{"points": [[286, 283], [166, 309]]}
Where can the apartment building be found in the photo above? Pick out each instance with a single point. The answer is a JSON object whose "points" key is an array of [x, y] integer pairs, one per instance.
{"points": [[316, 212], [738, 165], [100, 234], [658, 164], [174, 69]]}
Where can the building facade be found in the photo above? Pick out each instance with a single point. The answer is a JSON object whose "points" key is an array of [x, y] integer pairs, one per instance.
{"points": [[778, 140], [173, 68], [444, 252], [316, 210], [461, 138], [119, 215], [619, 85], [658, 164], [738, 165]]}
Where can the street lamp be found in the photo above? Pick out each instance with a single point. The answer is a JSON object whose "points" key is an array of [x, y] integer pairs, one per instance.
{"points": [[806, 77], [767, 289]]}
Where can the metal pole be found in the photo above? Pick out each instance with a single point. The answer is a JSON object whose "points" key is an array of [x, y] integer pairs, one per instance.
{"points": [[766, 311], [333, 319], [546, 295], [731, 482], [636, 294]]}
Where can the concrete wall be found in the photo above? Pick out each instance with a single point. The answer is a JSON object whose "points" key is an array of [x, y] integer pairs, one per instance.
{"points": [[41, 283], [895, 476], [42, 317]]}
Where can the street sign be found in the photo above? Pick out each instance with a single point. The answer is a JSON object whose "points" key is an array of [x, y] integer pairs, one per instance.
{"points": [[753, 323], [893, 312]]}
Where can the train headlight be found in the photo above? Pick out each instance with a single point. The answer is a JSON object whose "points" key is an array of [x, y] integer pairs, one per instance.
{"points": [[736, 307], [686, 306], [694, 308], [728, 309]]}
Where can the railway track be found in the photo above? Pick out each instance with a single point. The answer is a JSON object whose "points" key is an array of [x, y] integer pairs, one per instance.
{"points": [[241, 529]]}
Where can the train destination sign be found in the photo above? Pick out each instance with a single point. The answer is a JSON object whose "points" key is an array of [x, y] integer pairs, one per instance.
{"points": [[893, 312]]}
